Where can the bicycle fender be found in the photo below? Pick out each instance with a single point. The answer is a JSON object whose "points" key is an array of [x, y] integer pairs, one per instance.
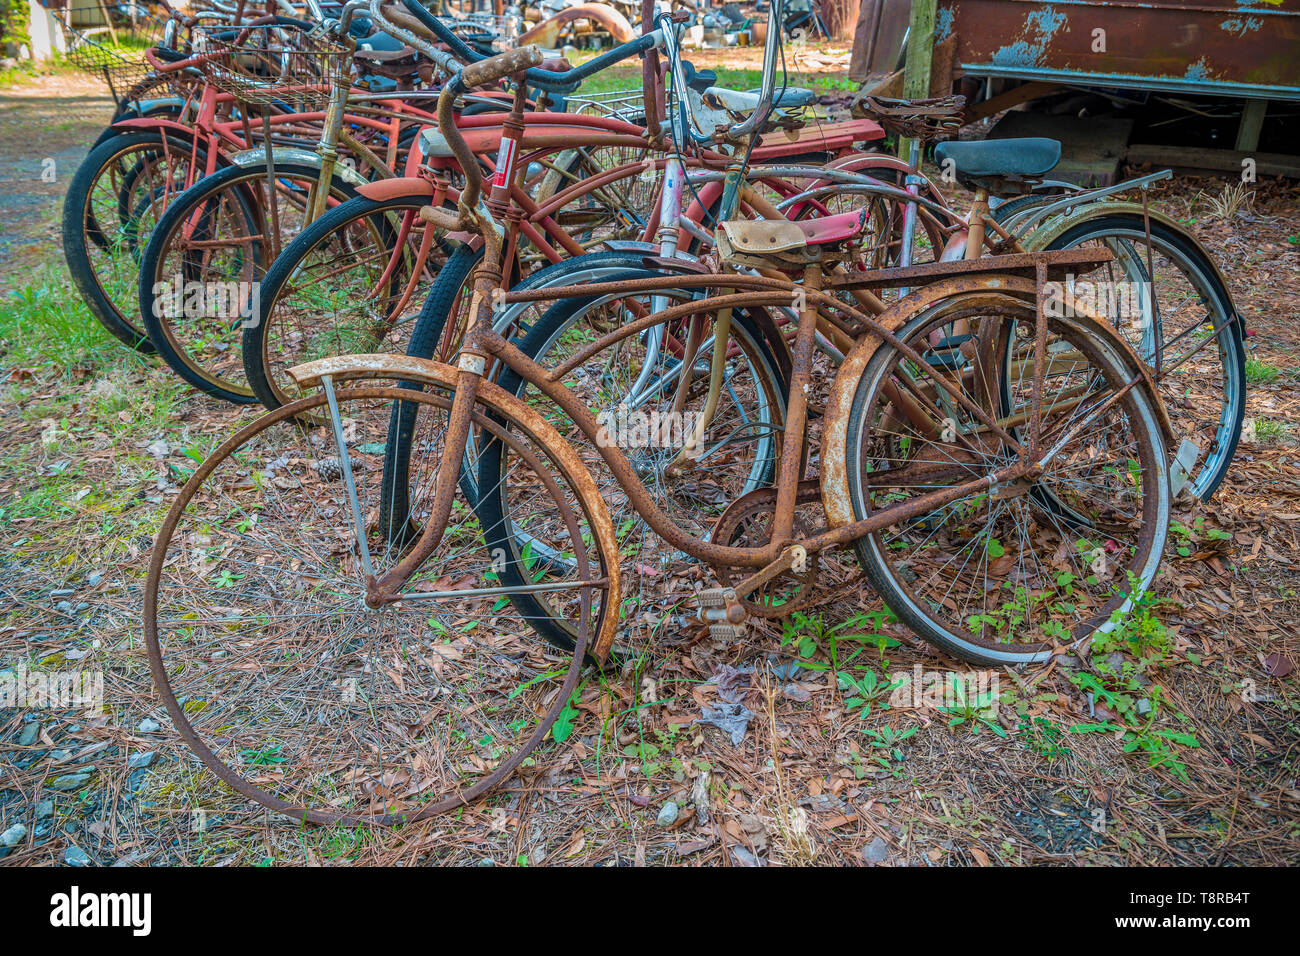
{"points": [[1046, 233], [839, 404], [547, 32], [144, 108], [408, 368], [398, 188], [155, 123], [257, 157]]}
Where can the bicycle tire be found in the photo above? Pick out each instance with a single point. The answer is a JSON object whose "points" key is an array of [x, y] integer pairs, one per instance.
{"points": [[80, 229], [258, 340], [1232, 351], [238, 180]]}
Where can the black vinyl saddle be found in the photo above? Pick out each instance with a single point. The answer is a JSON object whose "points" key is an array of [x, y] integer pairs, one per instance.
{"points": [[1000, 164]]}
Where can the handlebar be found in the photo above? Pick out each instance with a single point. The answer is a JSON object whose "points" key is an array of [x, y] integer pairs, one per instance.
{"points": [[497, 67], [155, 56], [686, 119], [473, 75], [565, 82]]}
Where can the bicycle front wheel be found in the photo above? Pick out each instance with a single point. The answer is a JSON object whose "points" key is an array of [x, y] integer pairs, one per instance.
{"points": [[295, 692]]}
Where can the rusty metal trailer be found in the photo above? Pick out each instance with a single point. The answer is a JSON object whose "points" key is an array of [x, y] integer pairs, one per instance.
{"points": [[1235, 48], [1248, 49]]}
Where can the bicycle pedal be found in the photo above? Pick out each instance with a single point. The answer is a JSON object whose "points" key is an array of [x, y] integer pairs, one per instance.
{"points": [[720, 607], [726, 633]]}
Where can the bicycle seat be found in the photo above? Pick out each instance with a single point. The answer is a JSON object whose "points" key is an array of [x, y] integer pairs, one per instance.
{"points": [[763, 242], [698, 80], [1000, 164], [734, 101]]}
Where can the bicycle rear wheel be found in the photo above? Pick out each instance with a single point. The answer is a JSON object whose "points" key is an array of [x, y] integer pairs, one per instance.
{"points": [[298, 695], [1005, 574]]}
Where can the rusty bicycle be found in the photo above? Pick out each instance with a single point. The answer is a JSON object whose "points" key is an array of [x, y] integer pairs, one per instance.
{"points": [[999, 471]]}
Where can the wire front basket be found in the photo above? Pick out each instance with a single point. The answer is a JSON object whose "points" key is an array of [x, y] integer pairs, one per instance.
{"points": [[113, 52], [272, 66], [626, 105]]}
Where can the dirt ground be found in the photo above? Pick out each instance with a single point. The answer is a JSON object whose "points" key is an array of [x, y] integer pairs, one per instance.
{"points": [[808, 782], [46, 128]]}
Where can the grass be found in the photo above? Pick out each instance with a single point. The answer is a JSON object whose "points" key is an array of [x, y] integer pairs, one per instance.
{"points": [[629, 78], [45, 323], [27, 70], [1260, 373], [75, 395], [1270, 430]]}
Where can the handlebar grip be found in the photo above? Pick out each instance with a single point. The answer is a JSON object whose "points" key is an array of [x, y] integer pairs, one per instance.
{"points": [[501, 65]]}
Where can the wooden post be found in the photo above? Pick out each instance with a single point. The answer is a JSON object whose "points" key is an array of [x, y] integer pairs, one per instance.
{"points": [[1252, 121], [920, 49], [108, 21]]}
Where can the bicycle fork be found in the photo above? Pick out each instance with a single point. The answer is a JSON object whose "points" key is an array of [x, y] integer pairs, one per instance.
{"points": [[471, 365]]}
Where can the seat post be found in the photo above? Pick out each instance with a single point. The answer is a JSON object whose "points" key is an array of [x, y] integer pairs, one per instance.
{"points": [[790, 469], [974, 242]]}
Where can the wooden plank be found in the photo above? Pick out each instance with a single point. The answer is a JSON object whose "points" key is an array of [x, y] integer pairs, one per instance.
{"points": [[1013, 97], [1218, 160], [943, 63], [920, 52]]}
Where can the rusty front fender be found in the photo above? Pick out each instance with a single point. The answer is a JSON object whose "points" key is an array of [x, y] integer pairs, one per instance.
{"points": [[398, 188], [547, 33], [1044, 234], [342, 368]]}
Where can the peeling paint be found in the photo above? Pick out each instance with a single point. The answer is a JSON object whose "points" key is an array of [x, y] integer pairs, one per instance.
{"points": [[1241, 27], [1017, 54], [1246, 47], [1022, 53], [943, 24], [1198, 71], [1047, 21]]}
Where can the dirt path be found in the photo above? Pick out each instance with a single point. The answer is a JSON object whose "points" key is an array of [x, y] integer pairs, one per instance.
{"points": [[46, 128]]}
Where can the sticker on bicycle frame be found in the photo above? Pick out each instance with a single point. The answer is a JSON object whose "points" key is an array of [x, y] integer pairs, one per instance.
{"points": [[505, 161]]}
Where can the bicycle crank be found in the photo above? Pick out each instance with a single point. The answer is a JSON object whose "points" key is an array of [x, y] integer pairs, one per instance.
{"points": [[721, 608]]}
